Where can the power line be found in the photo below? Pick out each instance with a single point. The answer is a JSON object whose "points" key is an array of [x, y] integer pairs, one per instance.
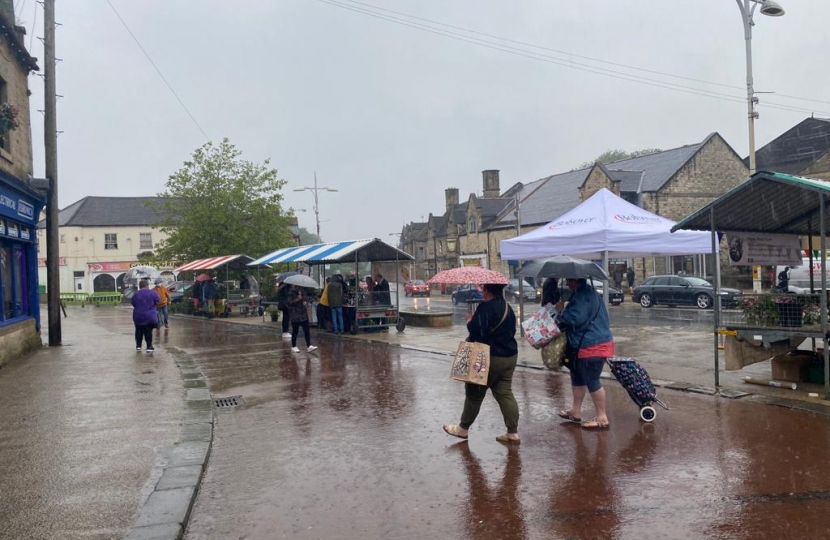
{"points": [[559, 61], [158, 71]]}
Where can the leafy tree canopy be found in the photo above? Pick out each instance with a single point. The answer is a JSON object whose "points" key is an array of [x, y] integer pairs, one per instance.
{"points": [[616, 154], [219, 204], [307, 237]]}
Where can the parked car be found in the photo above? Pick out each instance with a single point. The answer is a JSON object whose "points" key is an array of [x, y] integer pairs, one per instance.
{"points": [[672, 290], [529, 291], [177, 290], [615, 296], [416, 287], [467, 293]]}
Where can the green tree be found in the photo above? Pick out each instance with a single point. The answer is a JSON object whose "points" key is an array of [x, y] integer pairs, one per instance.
{"points": [[616, 155], [219, 204], [307, 237]]}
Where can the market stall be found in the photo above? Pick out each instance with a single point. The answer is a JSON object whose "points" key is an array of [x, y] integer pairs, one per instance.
{"points": [[779, 204], [604, 226], [242, 297], [363, 310]]}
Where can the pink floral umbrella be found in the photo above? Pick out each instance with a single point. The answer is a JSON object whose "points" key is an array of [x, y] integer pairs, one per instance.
{"points": [[474, 275]]}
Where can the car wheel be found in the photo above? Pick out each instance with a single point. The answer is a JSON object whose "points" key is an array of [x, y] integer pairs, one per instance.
{"points": [[703, 301], [454, 300], [645, 300]]}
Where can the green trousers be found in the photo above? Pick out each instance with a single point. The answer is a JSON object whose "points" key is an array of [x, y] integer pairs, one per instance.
{"points": [[500, 383]]}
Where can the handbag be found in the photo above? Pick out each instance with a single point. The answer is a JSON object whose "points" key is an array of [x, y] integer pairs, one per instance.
{"points": [[471, 363], [553, 354], [571, 354]]}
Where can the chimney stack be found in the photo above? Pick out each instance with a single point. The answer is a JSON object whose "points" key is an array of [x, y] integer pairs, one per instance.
{"points": [[491, 184], [451, 196]]}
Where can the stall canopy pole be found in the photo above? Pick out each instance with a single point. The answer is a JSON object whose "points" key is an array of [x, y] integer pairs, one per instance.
{"points": [[716, 287], [824, 297]]}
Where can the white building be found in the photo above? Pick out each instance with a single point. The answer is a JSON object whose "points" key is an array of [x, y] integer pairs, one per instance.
{"points": [[100, 239]]}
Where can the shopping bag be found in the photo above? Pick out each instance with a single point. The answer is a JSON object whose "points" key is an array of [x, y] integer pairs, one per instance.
{"points": [[471, 363], [541, 327], [553, 354]]}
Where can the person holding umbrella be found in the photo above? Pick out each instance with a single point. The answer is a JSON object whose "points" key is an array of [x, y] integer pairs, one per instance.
{"points": [[299, 319], [493, 323], [585, 320]]}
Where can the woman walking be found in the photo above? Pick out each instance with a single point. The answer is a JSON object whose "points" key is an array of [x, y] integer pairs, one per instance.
{"points": [[493, 323], [145, 316], [586, 322], [299, 319]]}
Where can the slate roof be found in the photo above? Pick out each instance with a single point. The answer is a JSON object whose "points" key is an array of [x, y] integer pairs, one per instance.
{"points": [[794, 150], [629, 180], [546, 198], [657, 168], [108, 212]]}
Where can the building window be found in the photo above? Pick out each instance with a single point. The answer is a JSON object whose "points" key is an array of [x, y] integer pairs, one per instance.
{"points": [[472, 226], [63, 238], [451, 244], [111, 241], [146, 240]]}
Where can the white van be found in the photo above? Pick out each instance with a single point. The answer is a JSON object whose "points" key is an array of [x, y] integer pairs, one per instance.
{"points": [[800, 275]]}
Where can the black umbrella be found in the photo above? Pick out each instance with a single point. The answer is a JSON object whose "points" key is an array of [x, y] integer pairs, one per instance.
{"points": [[562, 266]]}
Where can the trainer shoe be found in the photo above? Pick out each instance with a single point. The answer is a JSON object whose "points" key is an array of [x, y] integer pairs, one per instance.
{"points": [[138, 349], [286, 335], [295, 349], [150, 350], [311, 348]]}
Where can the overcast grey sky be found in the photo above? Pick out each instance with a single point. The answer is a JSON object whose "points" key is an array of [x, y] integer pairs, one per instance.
{"points": [[392, 115]]}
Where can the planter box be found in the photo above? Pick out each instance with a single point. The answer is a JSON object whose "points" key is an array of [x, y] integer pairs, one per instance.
{"points": [[789, 315]]}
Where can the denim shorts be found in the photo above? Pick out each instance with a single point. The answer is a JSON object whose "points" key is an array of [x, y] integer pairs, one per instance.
{"points": [[587, 373]]}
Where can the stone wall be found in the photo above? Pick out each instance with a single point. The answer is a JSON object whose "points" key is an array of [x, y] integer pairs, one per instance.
{"points": [[17, 340], [597, 179], [713, 171], [17, 161], [819, 169]]}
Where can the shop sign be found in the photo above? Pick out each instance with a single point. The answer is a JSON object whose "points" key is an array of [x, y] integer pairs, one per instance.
{"points": [[2, 227], [763, 249], [41, 262], [110, 267], [11, 229], [25, 234], [12, 205]]}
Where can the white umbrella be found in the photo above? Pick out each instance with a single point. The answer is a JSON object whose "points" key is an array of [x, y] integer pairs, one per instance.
{"points": [[137, 273], [302, 280]]}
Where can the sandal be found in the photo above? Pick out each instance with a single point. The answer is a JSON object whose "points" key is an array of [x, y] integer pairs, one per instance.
{"points": [[565, 414], [505, 439], [595, 424], [454, 431]]}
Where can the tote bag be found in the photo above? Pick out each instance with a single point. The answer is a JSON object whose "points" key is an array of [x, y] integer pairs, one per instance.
{"points": [[472, 360]]}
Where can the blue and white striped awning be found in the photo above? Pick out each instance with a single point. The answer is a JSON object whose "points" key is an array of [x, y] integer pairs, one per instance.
{"points": [[371, 250]]}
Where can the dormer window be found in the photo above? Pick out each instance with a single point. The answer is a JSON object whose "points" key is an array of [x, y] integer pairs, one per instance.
{"points": [[471, 227]]}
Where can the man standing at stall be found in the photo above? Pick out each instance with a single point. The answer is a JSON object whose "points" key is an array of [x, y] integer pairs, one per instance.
{"points": [[382, 290]]}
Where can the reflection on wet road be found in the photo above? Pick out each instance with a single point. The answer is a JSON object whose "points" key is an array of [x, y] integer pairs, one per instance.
{"points": [[346, 443]]}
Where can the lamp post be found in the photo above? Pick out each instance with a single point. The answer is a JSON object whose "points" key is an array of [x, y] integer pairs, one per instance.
{"points": [[314, 190], [400, 246], [747, 7]]}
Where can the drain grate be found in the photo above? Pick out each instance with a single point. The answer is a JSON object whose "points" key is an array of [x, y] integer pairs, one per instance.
{"points": [[225, 402]]}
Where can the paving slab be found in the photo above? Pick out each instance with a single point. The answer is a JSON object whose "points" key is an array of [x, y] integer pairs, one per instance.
{"points": [[166, 507], [179, 477], [171, 531]]}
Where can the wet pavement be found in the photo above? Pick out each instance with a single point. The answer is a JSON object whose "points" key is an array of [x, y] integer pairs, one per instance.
{"points": [[346, 443]]}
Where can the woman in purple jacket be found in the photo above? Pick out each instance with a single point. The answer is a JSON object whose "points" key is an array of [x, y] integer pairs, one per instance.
{"points": [[145, 316]]}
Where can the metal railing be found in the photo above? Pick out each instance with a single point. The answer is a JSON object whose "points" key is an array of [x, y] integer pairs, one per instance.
{"points": [[773, 311]]}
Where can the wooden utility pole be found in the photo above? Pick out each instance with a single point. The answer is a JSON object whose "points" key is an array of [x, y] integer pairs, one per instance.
{"points": [[50, 140]]}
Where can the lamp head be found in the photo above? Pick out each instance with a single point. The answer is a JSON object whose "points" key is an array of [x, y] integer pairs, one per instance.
{"points": [[299, 189], [772, 9]]}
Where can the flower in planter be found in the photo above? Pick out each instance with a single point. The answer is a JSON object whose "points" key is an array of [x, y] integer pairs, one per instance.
{"points": [[812, 314], [758, 310], [8, 118]]}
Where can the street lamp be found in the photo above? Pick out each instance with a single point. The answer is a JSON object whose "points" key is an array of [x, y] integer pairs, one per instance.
{"points": [[315, 189], [747, 7]]}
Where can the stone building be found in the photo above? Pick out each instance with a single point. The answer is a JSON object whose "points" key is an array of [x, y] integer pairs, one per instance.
{"points": [[20, 205], [803, 150], [672, 183]]}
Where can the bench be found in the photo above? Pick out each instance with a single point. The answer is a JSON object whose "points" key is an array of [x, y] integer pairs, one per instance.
{"points": [[429, 319]]}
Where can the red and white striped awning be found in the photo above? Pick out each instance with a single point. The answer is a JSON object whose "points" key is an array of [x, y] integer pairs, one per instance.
{"points": [[215, 262]]}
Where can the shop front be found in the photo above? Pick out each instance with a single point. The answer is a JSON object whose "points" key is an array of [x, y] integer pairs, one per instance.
{"points": [[20, 314]]}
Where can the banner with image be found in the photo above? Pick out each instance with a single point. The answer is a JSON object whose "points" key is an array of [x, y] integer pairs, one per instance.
{"points": [[763, 249]]}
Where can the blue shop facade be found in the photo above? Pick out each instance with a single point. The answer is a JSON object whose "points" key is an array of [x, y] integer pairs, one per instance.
{"points": [[20, 208]]}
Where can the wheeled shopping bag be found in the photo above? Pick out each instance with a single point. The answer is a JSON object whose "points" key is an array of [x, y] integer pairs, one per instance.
{"points": [[634, 378]]}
